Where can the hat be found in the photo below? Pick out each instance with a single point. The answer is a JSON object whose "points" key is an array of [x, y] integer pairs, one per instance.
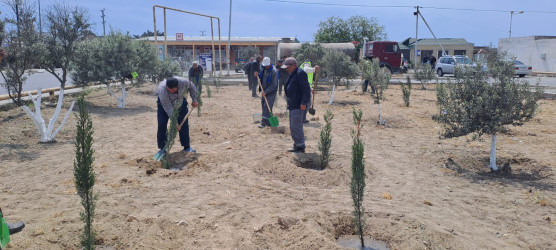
{"points": [[266, 61], [195, 62], [289, 61]]}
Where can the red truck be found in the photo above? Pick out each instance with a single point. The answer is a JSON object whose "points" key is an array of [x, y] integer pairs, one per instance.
{"points": [[387, 52]]}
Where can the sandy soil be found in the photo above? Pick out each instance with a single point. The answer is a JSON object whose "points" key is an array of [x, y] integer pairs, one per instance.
{"points": [[242, 190]]}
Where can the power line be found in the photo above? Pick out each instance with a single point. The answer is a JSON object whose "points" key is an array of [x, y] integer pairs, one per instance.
{"points": [[405, 6]]}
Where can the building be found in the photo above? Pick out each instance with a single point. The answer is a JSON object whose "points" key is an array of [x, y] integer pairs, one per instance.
{"points": [[428, 47], [189, 49], [537, 51]]}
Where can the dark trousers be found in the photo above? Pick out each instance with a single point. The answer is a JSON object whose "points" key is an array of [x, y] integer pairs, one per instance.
{"points": [[161, 135], [366, 85]]}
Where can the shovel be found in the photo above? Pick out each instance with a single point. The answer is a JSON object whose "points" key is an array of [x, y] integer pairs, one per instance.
{"points": [[312, 110], [158, 156], [273, 120]]}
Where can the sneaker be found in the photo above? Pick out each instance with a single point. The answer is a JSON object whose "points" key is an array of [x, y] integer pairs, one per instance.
{"points": [[261, 126], [15, 227], [306, 121], [189, 150]]}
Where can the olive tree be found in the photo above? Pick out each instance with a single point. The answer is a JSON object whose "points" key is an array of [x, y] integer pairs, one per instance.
{"points": [[424, 73], [378, 79], [338, 65], [113, 57], [484, 102], [22, 44], [313, 53]]}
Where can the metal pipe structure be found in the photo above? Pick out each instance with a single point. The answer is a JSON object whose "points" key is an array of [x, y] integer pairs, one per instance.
{"points": [[443, 51], [416, 13], [188, 12], [229, 37]]}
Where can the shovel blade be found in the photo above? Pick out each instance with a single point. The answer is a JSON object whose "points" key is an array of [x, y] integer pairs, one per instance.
{"points": [[312, 111], [273, 120]]}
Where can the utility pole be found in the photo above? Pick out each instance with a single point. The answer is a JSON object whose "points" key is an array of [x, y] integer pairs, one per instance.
{"points": [[416, 13], [202, 32], [103, 22], [229, 36], [40, 19]]}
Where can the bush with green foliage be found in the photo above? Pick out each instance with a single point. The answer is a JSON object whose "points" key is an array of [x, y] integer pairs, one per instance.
{"points": [[83, 172], [313, 53], [325, 141], [357, 185], [484, 102], [378, 80], [424, 73], [406, 90]]}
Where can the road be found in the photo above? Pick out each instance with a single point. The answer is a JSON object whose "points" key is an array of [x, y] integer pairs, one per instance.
{"points": [[46, 80]]}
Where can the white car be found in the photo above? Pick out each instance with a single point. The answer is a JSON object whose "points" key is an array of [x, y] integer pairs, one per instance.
{"points": [[521, 69], [448, 64]]}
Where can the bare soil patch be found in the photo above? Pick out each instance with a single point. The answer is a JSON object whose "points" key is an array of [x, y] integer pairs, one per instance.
{"points": [[242, 190]]}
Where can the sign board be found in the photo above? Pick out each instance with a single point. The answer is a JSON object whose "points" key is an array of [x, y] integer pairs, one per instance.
{"points": [[161, 52], [179, 36], [206, 61]]}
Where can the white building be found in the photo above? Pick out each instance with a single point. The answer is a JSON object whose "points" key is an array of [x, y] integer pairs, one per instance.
{"points": [[537, 51]]}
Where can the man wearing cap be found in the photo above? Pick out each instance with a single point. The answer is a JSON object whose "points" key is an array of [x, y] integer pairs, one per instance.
{"points": [[255, 69], [298, 94], [269, 80], [169, 92], [195, 72]]}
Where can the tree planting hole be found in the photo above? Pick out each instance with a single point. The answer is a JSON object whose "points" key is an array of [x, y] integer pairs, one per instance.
{"points": [[353, 242]]}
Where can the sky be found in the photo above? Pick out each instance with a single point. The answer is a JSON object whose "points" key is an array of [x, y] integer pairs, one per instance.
{"points": [[481, 22]]}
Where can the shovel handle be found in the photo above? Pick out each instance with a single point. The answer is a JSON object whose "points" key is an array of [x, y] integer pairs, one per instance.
{"points": [[264, 96], [184, 119], [315, 88]]}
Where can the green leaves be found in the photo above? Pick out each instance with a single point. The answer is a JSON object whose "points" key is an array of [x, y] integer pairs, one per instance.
{"points": [[338, 30], [325, 141], [339, 65], [483, 102], [313, 53]]}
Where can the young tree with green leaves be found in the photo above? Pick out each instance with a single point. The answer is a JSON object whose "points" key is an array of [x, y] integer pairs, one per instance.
{"points": [[406, 90], [22, 44], [378, 79], [114, 56], [357, 184], [338, 65], [424, 73], [484, 102], [83, 172], [164, 69], [172, 132], [248, 52], [65, 27], [313, 53], [325, 141]]}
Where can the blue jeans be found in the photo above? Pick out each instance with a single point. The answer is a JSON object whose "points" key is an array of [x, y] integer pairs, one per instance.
{"points": [[296, 129], [161, 135]]}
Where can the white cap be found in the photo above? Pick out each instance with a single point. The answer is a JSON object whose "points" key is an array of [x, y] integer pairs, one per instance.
{"points": [[266, 61]]}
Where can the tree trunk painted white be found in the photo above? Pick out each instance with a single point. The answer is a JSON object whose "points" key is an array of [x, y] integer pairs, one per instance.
{"points": [[379, 115], [46, 132], [121, 100], [493, 153], [332, 95]]}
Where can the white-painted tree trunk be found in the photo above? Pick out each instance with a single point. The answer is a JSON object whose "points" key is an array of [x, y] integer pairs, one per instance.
{"points": [[121, 100], [46, 132], [380, 122], [332, 95], [493, 153]]}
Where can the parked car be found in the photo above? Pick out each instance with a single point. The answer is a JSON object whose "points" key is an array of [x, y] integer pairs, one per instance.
{"points": [[448, 64], [522, 69]]}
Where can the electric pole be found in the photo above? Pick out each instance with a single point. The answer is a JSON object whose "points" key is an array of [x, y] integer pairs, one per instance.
{"points": [[202, 32], [103, 22]]}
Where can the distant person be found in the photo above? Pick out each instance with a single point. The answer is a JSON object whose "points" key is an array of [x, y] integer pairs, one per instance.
{"points": [[247, 70], [425, 60], [282, 76], [255, 69], [433, 61], [269, 81], [169, 91], [195, 72], [298, 94], [306, 66]]}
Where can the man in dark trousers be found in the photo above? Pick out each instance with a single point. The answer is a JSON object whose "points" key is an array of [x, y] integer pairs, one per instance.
{"points": [[169, 92], [433, 61], [282, 76], [247, 70], [255, 68], [195, 72], [299, 95], [269, 83]]}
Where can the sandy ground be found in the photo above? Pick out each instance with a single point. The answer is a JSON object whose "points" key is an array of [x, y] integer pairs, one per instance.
{"points": [[242, 190]]}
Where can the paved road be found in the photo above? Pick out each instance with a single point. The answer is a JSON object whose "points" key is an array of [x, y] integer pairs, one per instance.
{"points": [[46, 80]]}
